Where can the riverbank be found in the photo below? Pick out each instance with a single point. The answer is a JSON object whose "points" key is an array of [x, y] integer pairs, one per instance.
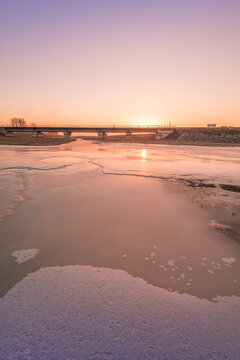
{"points": [[150, 139], [34, 141], [175, 138]]}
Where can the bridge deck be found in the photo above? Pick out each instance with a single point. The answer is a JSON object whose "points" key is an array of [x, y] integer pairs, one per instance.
{"points": [[98, 129]]}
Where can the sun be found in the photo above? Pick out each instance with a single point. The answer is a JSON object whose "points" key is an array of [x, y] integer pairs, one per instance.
{"points": [[146, 122]]}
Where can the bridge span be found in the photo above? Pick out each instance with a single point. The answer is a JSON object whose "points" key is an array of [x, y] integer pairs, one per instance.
{"points": [[102, 131]]}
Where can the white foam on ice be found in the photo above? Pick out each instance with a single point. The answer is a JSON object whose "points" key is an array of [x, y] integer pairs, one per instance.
{"points": [[229, 260], [24, 255], [162, 267], [210, 271], [81, 312], [171, 262]]}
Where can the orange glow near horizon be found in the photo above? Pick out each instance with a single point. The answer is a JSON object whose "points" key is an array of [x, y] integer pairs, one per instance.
{"points": [[147, 122]]}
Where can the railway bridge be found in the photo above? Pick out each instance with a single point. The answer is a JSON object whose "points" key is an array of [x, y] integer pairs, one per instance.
{"points": [[102, 131]]}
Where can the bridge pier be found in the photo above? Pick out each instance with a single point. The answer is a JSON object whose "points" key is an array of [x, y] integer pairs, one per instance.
{"points": [[36, 133], [67, 134], [158, 135], [102, 135], [129, 135], [3, 132]]}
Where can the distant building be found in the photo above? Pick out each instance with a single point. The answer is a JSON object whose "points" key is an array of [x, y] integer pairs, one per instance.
{"points": [[211, 126]]}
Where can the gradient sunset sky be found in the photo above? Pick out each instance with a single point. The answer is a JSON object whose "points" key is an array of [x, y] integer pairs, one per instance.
{"points": [[120, 61]]}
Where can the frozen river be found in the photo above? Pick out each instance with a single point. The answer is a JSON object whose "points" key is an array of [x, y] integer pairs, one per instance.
{"points": [[104, 255]]}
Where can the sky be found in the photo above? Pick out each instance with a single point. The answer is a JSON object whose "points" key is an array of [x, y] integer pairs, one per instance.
{"points": [[118, 62]]}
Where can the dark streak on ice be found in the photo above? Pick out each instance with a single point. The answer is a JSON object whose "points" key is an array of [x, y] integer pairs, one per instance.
{"points": [[189, 182], [228, 187]]}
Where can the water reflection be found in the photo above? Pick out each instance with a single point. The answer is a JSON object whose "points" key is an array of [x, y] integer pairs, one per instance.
{"points": [[144, 154]]}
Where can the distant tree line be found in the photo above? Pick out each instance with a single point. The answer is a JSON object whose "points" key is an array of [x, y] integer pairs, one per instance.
{"points": [[20, 122]]}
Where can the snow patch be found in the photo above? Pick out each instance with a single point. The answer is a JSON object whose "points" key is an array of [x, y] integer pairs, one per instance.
{"points": [[81, 312], [24, 255]]}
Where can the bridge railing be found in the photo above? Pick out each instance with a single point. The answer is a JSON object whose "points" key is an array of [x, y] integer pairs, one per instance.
{"points": [[91, 126]]}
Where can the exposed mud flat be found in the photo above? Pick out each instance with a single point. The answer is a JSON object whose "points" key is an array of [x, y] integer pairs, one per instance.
{"points": [[220, 203]]}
